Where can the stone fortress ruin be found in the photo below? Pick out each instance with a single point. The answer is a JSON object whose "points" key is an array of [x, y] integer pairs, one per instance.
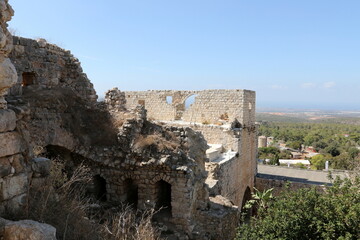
{"points": [[150, 149]]}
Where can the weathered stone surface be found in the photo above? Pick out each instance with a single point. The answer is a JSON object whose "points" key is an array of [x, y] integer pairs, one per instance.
{"points": [[10, 143], [41, 166], [17, 162], [15, 204], [7, 120], [8, 75], [28, 230], [210, 106], [13, 186], [41, 64]]}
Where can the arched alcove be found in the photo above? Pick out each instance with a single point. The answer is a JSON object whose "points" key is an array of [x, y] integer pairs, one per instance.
{"points": [[99, 188], [131, 192]]}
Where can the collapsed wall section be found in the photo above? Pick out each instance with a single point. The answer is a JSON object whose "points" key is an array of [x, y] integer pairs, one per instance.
{"points": [[209, 106], [226, 118], [41, 64]]}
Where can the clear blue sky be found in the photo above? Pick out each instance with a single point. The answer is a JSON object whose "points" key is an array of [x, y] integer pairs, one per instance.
{"points": [[303, 53]]}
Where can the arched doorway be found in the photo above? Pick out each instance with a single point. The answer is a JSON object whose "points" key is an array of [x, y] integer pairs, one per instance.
{"points": [[131, 192], [163, 197], [99, 188]]}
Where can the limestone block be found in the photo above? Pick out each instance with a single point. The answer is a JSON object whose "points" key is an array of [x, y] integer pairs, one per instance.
{"points": [[41, 166], [10, 143], [19, 49], [8, 75], [29, 230], [7, 120], [13, 186]]}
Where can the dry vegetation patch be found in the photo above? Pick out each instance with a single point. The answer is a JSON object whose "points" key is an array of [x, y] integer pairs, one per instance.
{"points": [[61, 200], [155, 142]]}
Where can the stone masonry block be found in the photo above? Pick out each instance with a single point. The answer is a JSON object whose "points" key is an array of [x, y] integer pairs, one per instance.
{"points": [[10, 143], [13, 186], [7, 120]]}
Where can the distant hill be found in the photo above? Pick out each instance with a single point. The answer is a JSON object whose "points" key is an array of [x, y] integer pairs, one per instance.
{"points": [[308, 116]]}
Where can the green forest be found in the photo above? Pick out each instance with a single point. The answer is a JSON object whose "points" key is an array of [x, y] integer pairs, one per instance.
{"points": [[336, 142]]}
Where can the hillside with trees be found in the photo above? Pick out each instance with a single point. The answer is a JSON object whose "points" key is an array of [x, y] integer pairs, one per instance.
{"points": [[337, 143]]}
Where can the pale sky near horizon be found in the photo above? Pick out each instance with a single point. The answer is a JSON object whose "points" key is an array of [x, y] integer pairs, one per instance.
{"points": [[295, 54]]}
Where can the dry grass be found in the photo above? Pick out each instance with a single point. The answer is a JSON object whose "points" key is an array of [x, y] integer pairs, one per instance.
{"points": [[205, 122], [155, 141], [224, 116], [129, 225], [61, 202]]}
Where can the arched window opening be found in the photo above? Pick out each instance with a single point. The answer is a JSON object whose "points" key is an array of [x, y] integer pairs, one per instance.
{"points": [[169, 100], [28, 78], [131, 192], [99, 188], [163, 196], [189, 101]]}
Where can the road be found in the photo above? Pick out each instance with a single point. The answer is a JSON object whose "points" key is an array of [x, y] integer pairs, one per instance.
{"points": [[297, 175]]}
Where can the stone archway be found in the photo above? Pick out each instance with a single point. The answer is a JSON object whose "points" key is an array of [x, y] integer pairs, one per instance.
{"points": [[163, 197], [99, 188], [131, 192]]}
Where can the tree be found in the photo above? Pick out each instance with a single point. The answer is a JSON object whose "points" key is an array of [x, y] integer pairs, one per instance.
{"points": [[295, 145], [353, 152], [274, 160], [318, 161], [309, 214], [333, 150], [267, 152]]}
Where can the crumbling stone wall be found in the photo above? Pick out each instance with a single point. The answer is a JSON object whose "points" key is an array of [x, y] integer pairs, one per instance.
{"points": [[210, 106], [225, 135], [13, 176], [52, 106], [225, 117], [42, 64]]}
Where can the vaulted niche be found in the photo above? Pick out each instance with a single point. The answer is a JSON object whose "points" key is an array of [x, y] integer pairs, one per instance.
{"points": [[131, 191], [28, 78]]}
